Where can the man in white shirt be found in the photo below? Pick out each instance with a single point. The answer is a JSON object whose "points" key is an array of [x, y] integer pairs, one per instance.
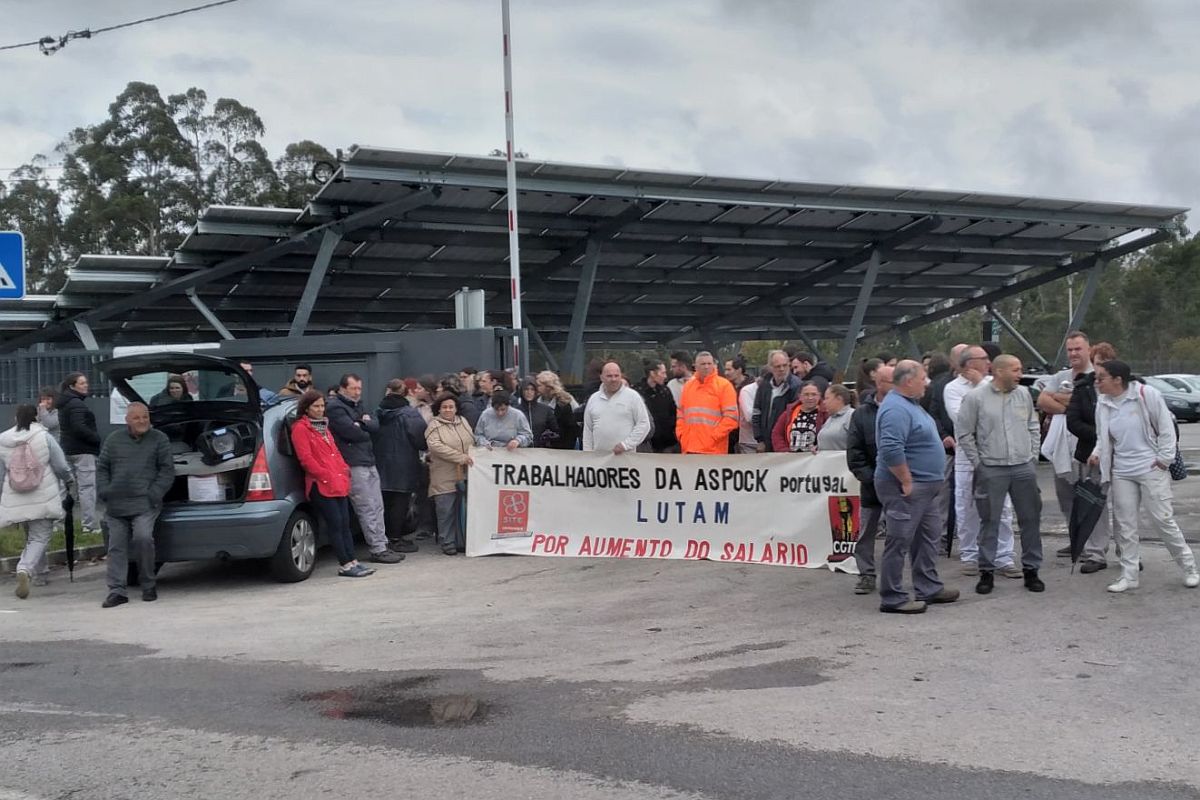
{"points": [[973, 368], [615, 417], [746, 397]]}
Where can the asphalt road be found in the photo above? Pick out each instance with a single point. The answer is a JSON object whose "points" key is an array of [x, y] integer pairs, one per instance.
{"points": [[510, 677]]}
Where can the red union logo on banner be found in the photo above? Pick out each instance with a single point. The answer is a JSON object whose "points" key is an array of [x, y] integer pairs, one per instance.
{"points": [[513, 515], [844, 512]]}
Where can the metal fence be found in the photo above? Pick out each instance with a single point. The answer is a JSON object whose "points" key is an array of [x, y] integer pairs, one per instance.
{"points": [[23, 373]]}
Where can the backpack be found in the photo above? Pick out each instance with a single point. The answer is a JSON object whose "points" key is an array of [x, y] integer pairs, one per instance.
{"points": [[25, 471]]}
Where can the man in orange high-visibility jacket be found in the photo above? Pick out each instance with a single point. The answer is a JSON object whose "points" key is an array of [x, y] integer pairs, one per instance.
{"points": [[708, 410]]}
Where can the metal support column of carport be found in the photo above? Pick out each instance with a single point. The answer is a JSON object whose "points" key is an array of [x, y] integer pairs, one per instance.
{"points": [[540, 344], [1016, 334], [1081, 308], [208, 314], [573, 355], [312, 288], [804, 335], [854, 329], [84, 332]]}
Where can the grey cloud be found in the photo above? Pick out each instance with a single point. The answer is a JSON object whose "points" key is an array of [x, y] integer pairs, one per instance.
{"points": [[1011, 24], [1045, 23], [785, 11], [1032, 139], [1134, 93], [439, 118], [820, 156], [623, 45], [1173, 161], [830, 157], [1038, 155], [209, 65]]}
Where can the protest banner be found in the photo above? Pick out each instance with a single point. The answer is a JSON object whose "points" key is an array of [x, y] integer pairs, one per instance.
{"points": [[775, 508]]}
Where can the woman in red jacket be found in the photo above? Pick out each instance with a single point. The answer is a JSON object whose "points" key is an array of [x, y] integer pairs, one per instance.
{"points": [[326, 479]]}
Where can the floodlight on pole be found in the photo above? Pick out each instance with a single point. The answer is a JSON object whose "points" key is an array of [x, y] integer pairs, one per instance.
{"points": [[514, 248]]}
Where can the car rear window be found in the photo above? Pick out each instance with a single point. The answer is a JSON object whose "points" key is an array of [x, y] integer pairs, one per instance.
{"points": [[165, 388]]}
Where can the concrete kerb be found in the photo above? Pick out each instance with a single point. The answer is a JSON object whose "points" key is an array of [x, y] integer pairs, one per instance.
{"points": [[56, 557]]}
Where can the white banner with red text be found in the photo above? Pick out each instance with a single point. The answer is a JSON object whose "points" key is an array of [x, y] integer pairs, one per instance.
{"points": [[795, 510]]}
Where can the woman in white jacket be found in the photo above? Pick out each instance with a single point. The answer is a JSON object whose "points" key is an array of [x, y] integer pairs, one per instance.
{"points": [[1135, 444], [839, 405], [38, 506]]}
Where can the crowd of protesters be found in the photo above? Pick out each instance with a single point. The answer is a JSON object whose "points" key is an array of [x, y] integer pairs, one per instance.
{"points": [[944, 449]]}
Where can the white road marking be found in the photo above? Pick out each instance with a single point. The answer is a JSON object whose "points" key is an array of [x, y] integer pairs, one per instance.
{"points": [[52, 710]]}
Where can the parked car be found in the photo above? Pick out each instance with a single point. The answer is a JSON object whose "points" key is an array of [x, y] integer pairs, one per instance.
{"points": [[1184, 403], [239, 490], [1186, 382]]}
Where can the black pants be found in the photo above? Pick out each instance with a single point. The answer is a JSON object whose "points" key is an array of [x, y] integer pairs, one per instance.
{"points": [[396, 520], [335, 513]]}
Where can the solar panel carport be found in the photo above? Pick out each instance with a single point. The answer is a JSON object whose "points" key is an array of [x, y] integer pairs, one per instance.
{"points": [[610, 256]]}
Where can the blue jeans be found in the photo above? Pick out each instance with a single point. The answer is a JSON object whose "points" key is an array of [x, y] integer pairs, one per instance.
{"points": [[335, 513]]}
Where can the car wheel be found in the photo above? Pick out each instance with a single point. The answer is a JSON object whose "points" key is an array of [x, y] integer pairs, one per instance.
{"points": [[297, 554]]}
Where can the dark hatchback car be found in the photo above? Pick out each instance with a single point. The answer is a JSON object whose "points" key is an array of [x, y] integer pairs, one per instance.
{"points": [[1183, 402], [238, 491]]}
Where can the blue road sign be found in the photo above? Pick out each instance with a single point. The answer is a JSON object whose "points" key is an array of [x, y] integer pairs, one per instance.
{"points": [[12, 265]]}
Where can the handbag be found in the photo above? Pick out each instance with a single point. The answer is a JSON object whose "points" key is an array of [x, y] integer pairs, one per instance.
{"points": [[1176, 469]]}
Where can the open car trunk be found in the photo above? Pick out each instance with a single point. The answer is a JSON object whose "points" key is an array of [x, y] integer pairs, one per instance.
{"points": [[208, 407], [212, 459]]}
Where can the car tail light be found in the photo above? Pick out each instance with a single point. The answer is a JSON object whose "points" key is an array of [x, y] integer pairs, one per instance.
{"points": [[260, 487]]}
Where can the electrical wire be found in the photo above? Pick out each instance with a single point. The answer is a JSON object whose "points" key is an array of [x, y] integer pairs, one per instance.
{"points": [[50, 45], [34, 43]]}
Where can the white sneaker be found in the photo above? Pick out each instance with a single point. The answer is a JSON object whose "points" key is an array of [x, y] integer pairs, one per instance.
{"points": [[1122, 585], [1191, 579]]}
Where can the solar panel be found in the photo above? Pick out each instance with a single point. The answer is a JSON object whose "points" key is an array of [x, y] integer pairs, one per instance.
{"points": [[677, 251]]}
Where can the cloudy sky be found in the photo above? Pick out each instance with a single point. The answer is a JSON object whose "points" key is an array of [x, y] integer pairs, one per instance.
{"points": [[1095, 99]]}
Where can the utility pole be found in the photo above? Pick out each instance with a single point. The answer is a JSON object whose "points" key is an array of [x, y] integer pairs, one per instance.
{"points": [[514, 248]]}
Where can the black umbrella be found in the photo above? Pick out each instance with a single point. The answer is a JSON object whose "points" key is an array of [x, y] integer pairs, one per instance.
{"points": [[1086, 510], [69, 532]]}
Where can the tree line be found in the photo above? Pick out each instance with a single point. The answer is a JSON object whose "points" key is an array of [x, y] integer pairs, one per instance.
{"points": [[134, 182]]}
